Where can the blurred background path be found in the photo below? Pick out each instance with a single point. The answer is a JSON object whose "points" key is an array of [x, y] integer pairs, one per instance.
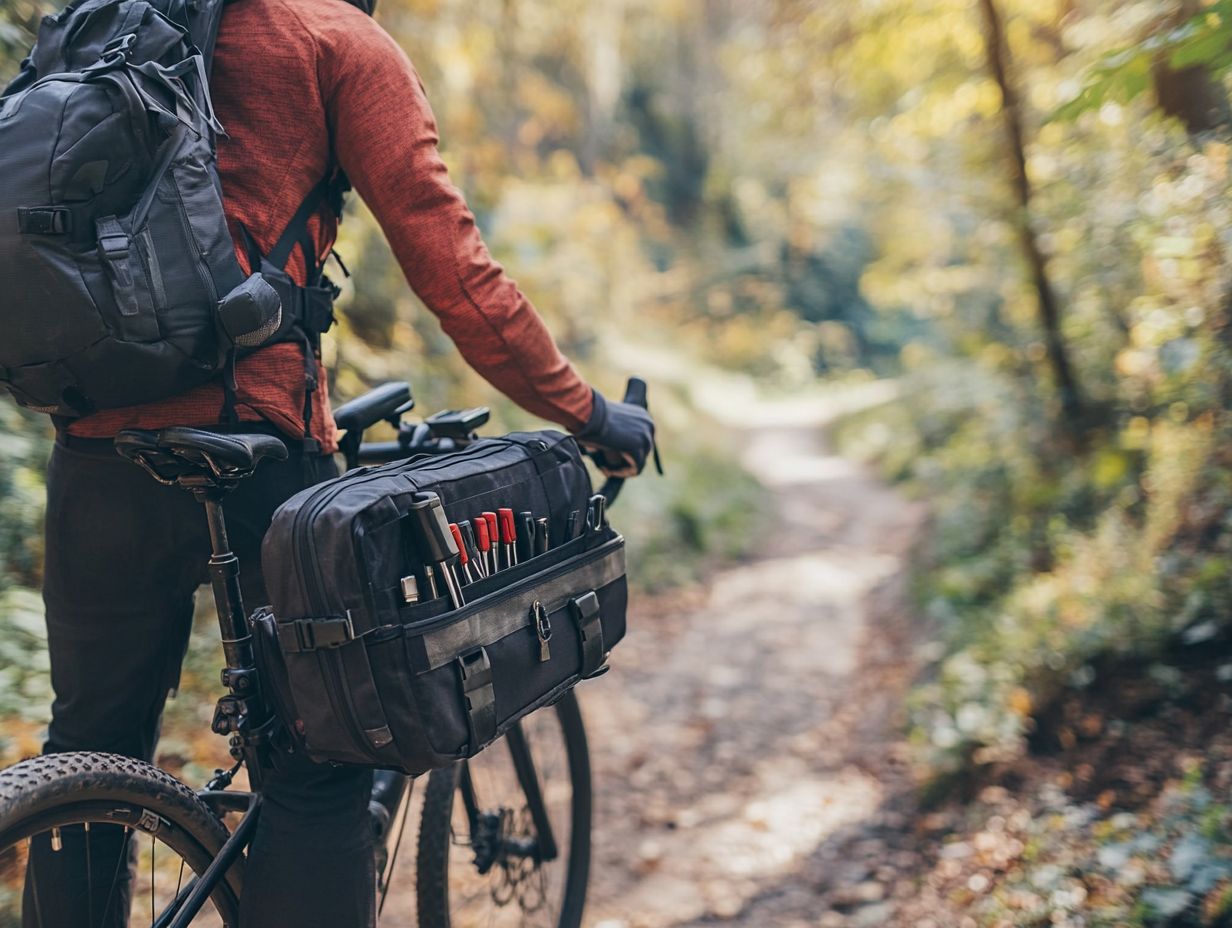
{"points": [[741, 739]]}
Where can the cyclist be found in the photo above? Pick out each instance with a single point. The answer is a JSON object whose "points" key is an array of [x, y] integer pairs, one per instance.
{"points": [[301, 87]]}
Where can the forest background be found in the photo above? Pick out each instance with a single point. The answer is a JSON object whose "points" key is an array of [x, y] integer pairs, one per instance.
{"points": [[1016, 210]]}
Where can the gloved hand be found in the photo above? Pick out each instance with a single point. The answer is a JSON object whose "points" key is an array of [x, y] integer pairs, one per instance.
{"points": [[622, 433]]}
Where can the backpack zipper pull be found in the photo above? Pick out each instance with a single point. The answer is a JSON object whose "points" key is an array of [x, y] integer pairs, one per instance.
{"points": [[543, 630]]}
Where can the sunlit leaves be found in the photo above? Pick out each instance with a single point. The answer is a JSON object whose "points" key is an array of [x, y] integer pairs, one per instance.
{"points": [[1122, 76]]}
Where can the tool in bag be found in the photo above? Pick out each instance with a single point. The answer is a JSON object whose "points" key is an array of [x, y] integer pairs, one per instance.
{"points": [[363, 673], [121, 285]]}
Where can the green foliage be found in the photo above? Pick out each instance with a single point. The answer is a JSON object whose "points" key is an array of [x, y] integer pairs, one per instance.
{"points": [[1164, 867], [1042, 569], [23, 455], [1205, 40]]}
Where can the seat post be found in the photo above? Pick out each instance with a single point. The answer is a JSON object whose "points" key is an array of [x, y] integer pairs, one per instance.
{"points": [[242, 713], [225, 581]]}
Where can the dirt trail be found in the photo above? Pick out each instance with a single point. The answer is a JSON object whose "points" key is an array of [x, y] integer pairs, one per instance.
{"points": [[744, 742]]}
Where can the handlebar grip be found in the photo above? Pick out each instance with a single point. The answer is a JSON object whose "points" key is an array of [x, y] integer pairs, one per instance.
{"points": [[635, 394]]}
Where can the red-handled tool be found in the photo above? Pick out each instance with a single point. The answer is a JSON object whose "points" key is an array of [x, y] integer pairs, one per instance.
{"points": [[494, 538], [508, 536], [483, 542], [462, 552]]}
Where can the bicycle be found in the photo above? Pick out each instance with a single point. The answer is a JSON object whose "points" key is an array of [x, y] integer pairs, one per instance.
{"points": [[504, 838]]}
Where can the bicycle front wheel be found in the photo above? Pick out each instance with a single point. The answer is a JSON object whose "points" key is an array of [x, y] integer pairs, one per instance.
{"points": [[486, 855], [102, 841]]}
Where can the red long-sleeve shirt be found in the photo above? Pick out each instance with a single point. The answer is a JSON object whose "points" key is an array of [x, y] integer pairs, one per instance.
{"points": [[302, 84]]}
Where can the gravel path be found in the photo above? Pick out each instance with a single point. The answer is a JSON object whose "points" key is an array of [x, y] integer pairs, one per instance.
{"points": [[744, 742]]}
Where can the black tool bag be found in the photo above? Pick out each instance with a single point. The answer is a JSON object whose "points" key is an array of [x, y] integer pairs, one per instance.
{"points": [[361, 677]]}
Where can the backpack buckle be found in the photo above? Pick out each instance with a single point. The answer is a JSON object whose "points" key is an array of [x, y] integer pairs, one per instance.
{"points": [[114, 247], [44, 220]]}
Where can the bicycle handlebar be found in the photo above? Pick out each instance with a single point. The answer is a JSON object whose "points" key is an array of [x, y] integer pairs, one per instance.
{"points": [[420, 439]]}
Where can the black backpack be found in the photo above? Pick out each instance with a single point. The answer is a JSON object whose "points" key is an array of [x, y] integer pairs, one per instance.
{"points": [[118, 271]]}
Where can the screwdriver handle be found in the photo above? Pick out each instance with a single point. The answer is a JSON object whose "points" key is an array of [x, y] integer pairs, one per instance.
{"points": [[457, 538], [483, 541], [432, 528], [525, 528], [472, 549], [508, 531]]}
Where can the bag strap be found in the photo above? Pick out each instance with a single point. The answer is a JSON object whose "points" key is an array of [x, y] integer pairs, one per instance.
{"points": [[204, 18], [328, 191], [478, 697], [281, 252], [588, 617], [200, 18]]}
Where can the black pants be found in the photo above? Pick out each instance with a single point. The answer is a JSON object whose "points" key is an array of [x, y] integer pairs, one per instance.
{"points": [[124, 558]]}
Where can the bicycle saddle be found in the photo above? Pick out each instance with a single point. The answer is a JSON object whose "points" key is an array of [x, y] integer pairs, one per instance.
{"points": [[193, 458]]}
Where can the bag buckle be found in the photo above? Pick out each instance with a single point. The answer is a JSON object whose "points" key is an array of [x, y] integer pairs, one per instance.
{"points": [[44, 220], [113, 241], [313, 634]]}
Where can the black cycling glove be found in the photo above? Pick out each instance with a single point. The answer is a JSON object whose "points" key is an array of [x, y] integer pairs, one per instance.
{"points": [[620, 428]]}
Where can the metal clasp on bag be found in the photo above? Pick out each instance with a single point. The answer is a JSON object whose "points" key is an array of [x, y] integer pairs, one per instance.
{"points": [[117, 51], [543, 630]]}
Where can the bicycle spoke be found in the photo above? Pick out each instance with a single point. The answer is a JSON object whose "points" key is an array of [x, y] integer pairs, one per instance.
{"points": [[115, 876], [491, 825], [90, 878], [393, 858], [153, 849], [32, 875], [516, 891]]}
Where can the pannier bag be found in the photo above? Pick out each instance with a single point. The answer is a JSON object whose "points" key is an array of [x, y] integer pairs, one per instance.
{"points": [[359, 675]]}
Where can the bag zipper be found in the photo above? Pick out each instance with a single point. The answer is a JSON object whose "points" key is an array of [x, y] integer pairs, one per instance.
{"points": [[343, 702], [154, 271], [301, 538], [202, 271]]}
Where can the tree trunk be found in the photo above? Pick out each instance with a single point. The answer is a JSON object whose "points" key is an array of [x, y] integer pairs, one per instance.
{"points": [[1049, 309]]}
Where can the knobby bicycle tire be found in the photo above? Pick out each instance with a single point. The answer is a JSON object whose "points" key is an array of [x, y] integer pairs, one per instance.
{"points": [[63, 790], [436, 834]]}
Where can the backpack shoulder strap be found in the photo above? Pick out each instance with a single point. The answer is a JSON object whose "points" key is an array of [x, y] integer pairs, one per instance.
{"points": [[204, 18], [201, 18], [329, 192]]}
